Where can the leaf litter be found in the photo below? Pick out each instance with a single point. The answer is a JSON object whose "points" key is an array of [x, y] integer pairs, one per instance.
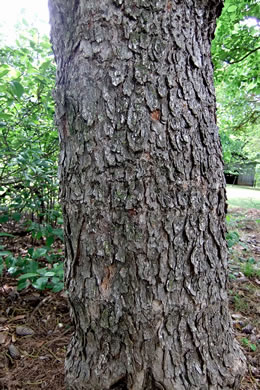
{"points": [[35, 327]]}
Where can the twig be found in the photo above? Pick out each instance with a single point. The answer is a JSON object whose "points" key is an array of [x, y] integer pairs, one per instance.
{"points": [[53, 354], [252, 379], [241, 59], [33, 383], [61, 337], [40, 305]]}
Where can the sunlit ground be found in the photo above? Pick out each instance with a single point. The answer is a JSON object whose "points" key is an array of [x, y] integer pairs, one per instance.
{"points": [[246, 197]]}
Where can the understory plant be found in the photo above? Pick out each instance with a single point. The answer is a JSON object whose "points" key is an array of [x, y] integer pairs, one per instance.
{"points": [[41, 267]]}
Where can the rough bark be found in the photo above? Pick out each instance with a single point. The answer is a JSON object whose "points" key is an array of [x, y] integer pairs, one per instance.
{"points": [[143, 196]]}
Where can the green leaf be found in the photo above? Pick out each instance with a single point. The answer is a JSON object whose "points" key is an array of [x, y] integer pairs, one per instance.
{"points": [[228, 218], [232, 8], [17, 88], [28, 276], [6, 116], [23, 284], [253, 347], [42, 271], [58, 233], [4, 66], [5, 253], [58, 287], [40, 283], [12, 270], [2, 234], [4, 72], [30, 251], [49, 241], [16, 217], [39, 252], [4, 218], [232, 238], [245, 340], [31, 266], [49, 273]]}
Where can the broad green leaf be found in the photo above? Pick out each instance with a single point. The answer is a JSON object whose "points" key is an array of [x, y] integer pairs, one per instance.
{"points": [[28, 276], [42, 271], [1, 266], [40, 283], [16, 216], [12, 270], [30, 251], [4, 73], [2, 234], [253, 347], [39, 252], [5, 253], [49, 274], [5, 116], [232, 8], [23, 284], [17, 88], [57, 287], [49, 241], [3, 219]]}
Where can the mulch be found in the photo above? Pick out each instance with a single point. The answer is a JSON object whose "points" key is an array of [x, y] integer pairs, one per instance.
{"points": [[34, 360]]}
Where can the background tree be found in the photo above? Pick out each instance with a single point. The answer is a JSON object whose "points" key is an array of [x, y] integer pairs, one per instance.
{"points": [[28, 138], [28, 164], [143, 196], [236, 51]]}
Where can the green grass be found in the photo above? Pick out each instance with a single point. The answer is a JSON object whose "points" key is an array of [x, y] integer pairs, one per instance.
{"points": [[245, 197]]}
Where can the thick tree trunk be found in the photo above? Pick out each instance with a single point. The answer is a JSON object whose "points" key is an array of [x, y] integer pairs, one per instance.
{"points": [[143, 196]]}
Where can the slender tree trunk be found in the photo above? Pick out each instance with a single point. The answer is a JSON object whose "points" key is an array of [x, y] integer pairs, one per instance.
{"points": [[143, 196]]}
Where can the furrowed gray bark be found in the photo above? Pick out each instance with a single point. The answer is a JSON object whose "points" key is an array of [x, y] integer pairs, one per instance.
{"points": [[143, 196]]}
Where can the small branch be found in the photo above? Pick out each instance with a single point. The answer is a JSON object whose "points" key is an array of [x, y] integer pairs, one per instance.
{"points": [[250, 119], [241, 59], [48, 298]]}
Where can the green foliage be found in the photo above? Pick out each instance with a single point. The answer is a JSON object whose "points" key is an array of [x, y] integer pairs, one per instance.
{"points": [[232, 239], [42, 267], [248, 344], [240, 303], [28, 160], [28, 138], [250, 269], [3, 253], [29, 272], [46, 231], [235, 52]]}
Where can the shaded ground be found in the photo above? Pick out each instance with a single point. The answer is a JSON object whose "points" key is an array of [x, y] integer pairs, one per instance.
{"points": [[244, 288], [32, 361], [35, 327]]}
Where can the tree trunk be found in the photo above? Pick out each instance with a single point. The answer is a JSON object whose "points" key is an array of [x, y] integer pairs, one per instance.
{"points": [[143, 196]]}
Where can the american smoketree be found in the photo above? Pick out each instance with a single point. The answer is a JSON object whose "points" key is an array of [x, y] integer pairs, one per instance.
{"points": [[143, 196]]}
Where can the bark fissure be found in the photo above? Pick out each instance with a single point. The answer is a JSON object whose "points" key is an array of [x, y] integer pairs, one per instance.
{"points": [[143, 195]]}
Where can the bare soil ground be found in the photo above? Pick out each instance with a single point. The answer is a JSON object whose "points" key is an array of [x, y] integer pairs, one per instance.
{"points": [[35, 327]]}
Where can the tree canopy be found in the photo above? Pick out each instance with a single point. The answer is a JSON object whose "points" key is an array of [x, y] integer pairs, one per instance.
{"points": [[28, 138], [236, 57]]}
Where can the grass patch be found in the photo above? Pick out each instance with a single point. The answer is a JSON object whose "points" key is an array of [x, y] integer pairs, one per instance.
{"points": [[244, 197]]}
